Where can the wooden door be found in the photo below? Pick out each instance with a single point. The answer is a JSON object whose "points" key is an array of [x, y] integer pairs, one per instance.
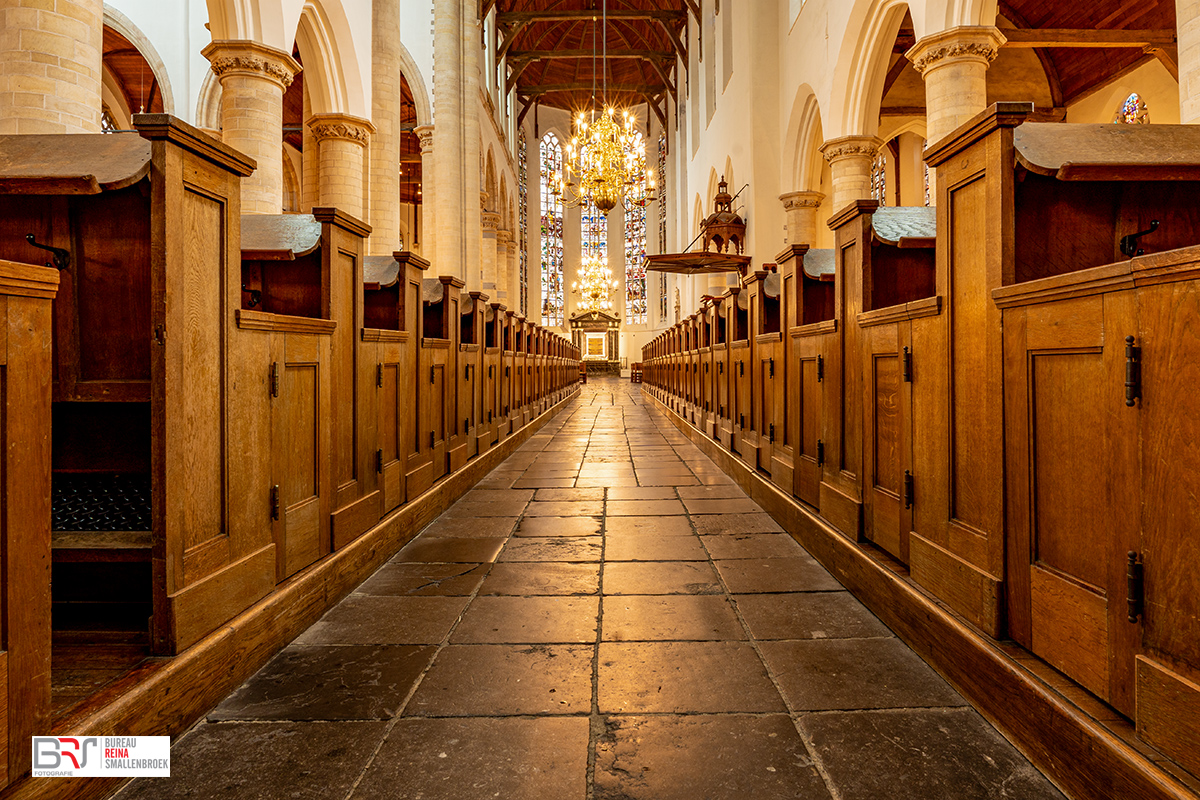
{"points": [[438, 403], [391, 388], [301, 452], [1073, 462], [887, 437], [807, 418], [770, 427]]}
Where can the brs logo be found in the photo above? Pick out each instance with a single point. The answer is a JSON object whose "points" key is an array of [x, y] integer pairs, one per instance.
{"points": [[62, 752]]}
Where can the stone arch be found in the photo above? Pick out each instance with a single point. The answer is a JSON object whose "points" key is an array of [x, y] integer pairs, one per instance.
{"points": [[804, 138], [331, 71], [862, 65], [257, 20], [501, 202], [945, 14], [208, 104], [416, 84], [123, 25], [698, 215], [489, 182]]}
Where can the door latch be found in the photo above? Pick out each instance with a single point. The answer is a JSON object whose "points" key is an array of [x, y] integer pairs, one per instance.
{"points": [[1134, 587], [379, 461], [274, 379], [820, 369], [275, 502], [771, 368], [908, 489], [1133, 371], [379, 375], [771, 434], [820, 453], [906, 365]]}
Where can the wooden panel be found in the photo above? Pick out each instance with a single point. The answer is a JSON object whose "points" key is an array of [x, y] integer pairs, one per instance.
{"points": [[1070, 628], [1170, 411], [300, 465], [971, 592], [808, 419], [1168, 712], [970, 490], [885, 419], [207, 604], [345, 369], [5, 755], [196, 431], [351, 521]]}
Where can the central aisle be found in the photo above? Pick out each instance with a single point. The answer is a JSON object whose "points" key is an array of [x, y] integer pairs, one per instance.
{"points": [[605, 616]]}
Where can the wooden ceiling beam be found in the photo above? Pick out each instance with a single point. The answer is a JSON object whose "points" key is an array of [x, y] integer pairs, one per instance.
{"points": [[509, 38], [523, 17], [1087, 37], [582, 86], [516, 56]]}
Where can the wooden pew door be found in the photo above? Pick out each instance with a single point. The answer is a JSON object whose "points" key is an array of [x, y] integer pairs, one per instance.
{"points": [[302, 458], [1072, 459], [887, 436], [808, 391], [393, 389]]}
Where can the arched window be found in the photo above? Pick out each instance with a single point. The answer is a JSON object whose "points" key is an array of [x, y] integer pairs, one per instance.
{"points": [[552, 233], [635, 254], [662, 220], [1133, 111], [523, 219], [879, 178]]}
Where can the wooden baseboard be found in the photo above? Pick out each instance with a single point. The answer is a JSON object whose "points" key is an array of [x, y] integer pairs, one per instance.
{"points": [[1082, 755], [164, 697]]}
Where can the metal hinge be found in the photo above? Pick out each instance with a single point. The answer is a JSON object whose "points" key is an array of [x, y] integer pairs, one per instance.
{"points": [[770, 368], [491, 370], [820, 369], [467, 373], [820, 453], [379, 376], [1134, 587], [741, 368], [906, 365], [433, 374], [431, 440], [506, 371], [1133, 372], [908, 489], [771, 434], [741, 420], [466, 425], [489, 416], [275, 501], [379, 461], [274, 379]]}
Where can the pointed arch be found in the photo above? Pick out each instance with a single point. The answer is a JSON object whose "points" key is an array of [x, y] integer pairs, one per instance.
{"points": [[332, 75], [804, 138], [417, 84], [946, 14], [863, 63], [257, 20], [123, 25]]}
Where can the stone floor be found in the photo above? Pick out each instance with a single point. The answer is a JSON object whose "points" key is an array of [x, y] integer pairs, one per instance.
{"points": [[605, 616]]}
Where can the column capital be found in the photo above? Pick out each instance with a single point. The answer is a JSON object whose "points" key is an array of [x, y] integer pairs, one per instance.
{"points": [[483, 200], [491, 221], [425, 136], [851, 147], [341, 126], [965, 43], [503, 237], [252, 59], [795, 200]]}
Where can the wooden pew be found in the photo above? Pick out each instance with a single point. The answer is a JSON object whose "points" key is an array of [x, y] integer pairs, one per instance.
{"points": [[493, 354], [707, 414], [393, 311], [27, 358], [140, 347], [768, 370], [508, 376], [438, 435], [1099, 409], [721, 367], [741, 354], [813, 345]]}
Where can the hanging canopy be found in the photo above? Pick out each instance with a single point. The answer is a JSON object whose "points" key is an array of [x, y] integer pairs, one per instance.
{"points": [[697, 263]]}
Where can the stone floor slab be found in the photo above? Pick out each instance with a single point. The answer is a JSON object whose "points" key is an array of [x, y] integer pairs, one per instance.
{"points": [[554, 548], [727, 757], [362, 619], [753, 545], [529, 620], [464, 759], [736, 523], [930, 754], [559, 526], [654, 548], [660, 577], [643, 508], [684, 677], [773, 575], [451, 549], [809, 615], [721, 505], [634, 618], [647, 526], [469, 528], [486, 680], [414, 579]]}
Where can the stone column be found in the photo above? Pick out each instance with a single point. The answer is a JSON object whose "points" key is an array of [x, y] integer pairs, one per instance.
{"points": [[489, 253], [1187, 25], [385, 114], [449, 56], [800, 210], [310, 160], [850, 159], [954, 64], [506, 252], [343, 142], [428, 193], [253, 79], [473, 56], [510, 284], [50, 66]]}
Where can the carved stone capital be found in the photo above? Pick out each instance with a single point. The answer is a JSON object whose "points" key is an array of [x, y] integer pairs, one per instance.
{"points": [[341, 126], [425, 136], [965, 43], [483, 200], [491, 220], [795, 200], [851, 147], [503, 237], [254, 59]]}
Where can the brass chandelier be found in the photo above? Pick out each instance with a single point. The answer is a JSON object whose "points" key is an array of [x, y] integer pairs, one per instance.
{"points": [[605, 160], [595, 285]]}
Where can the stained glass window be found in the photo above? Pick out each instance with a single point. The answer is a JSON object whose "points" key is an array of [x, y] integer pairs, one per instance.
{"points": [[1133, 111], [523, 219], [662, 220], [879, 178], [553, 305], [595, 232], [636, 305]]}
